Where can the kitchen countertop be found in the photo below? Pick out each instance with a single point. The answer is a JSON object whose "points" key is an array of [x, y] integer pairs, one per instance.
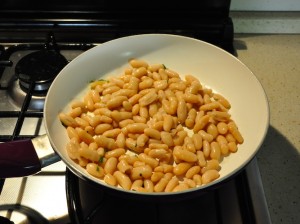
{"points": [[275, 60]]}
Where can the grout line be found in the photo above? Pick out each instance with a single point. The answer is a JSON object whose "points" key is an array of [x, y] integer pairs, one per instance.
{"points": [[266, 22]]}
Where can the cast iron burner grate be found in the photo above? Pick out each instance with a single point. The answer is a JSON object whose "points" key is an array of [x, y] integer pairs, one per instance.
{"points": [[30, 93]]}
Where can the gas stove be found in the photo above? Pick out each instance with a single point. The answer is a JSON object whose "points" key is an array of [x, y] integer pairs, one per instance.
{"points": [[21, 116], [56, 195]]}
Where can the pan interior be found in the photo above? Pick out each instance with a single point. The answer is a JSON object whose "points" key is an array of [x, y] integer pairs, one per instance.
{"points": [[214, 67]]}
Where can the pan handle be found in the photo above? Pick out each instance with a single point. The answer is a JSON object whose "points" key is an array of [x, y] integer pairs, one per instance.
{"points": [[18, 159], [22, 157], [44, 150]]}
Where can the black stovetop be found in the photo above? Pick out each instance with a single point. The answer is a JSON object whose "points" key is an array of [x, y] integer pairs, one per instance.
{"points": [[24, 26]]}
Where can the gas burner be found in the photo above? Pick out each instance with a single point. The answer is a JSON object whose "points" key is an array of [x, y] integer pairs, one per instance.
{"points": [[27, 214], [17, 95], [34, 74], [41, 67]]}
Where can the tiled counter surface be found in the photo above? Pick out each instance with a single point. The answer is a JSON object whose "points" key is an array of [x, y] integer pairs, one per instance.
{"points": [[275, 60]]}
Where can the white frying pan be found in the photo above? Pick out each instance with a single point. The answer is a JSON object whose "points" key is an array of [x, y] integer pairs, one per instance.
{"points": [[215, 68]]}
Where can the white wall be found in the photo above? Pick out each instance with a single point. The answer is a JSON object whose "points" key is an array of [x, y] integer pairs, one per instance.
{"points": [[266, 16], [265, 5]]}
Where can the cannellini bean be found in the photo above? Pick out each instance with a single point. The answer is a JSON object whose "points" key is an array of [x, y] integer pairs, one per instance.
{"points": [[72, 133], [182, 111], [158, 153], [222, 100], [209, 106], [120, 141], [181, 168], [147, 83], [212, 164], [148, 185], [235, 132], [123, 166], [206, 148], [76, 112], [172, 184], [148, 160], [134, 99], [192, 98], [166, 138], [115, 102], [120, 115], [192, 171], [95, 170], [190, 120], [179, 138], [209, 176], [152, 133], [129, 93], [84, 136], [123, 180], [160, 186], [110, 179], [181, 187], [127, 106], [101, 128], [160, 84], [197, 140], [141, 172], [232, 146], [67, 120], [148, 98], [197, 179], [206, 136], [215, 150], [200, 124], [105, 142], [119, 82], [139, 72], [125, 122], [110, 90], [220, 115], [72, 148], [141, 140], [115, 153], [184, 155], [137, 185], [222, 128], [137, 63], [111, 165], [88, 153], [112, 133], [223, 144], [201, 158], [155, 67], [156, 176], [191, 183], [137, 127], [212, 130]]}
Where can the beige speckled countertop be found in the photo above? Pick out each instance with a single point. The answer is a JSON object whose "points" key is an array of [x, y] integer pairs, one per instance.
{"points": [[275, 60]]}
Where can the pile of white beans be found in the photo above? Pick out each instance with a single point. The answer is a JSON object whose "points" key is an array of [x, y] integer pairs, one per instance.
{"points": [[149, 130]]}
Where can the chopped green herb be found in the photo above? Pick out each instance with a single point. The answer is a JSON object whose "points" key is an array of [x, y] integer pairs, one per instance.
{"points": [[101, 159], [164, 66], [101, 80]]}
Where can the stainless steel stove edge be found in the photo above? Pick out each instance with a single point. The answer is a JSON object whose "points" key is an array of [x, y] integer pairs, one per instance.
{"points": [[260, 205]]}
